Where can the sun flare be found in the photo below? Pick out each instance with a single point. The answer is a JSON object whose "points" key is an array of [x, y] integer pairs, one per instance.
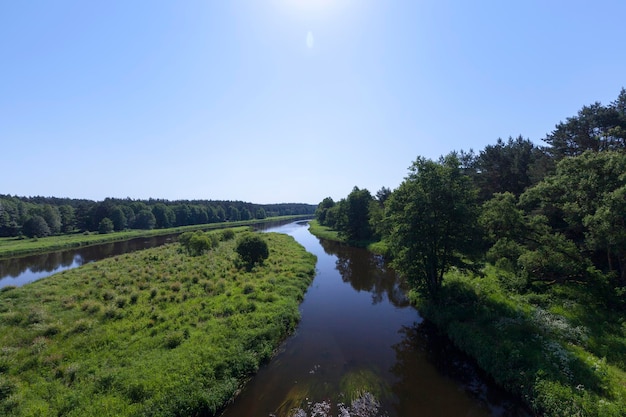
{"points": [[312, 7]]}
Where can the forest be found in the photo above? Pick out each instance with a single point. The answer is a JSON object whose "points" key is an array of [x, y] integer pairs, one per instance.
{"points": [[49, 216], [518, 253]]}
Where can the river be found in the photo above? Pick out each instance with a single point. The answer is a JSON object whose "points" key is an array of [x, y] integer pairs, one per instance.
{"points": [[362, 350], [22, 270], [359, 350]]}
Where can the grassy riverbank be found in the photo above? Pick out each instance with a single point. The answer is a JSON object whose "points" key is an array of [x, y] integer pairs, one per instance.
{"points": [[328, 233], [562, 350], [13, 247], [154, 332]]}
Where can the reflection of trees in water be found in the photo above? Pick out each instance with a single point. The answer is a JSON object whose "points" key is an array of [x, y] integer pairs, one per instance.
{"points": [[421, 343], [366, 272], [50, 262]]}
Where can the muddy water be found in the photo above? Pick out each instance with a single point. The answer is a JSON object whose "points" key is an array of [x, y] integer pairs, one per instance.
{"points": [[362, 350]]}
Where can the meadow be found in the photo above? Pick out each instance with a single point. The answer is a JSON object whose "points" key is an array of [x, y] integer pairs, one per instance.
{"points": [[156, 332]]}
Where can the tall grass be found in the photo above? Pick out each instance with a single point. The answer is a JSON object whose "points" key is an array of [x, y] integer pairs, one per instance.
{"points": [[155, 332]]}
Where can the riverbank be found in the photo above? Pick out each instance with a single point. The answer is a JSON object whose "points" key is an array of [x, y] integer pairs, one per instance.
{"points": [[16, 247], [155, 332], [325, 232], [561, 351]]}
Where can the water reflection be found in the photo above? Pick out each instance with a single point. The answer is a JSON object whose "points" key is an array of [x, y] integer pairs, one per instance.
{"points": [[20, 271], [361, 349], [365, 271]]}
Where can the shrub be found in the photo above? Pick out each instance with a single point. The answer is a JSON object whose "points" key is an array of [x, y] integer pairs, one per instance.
{"points": [[252, 249]]}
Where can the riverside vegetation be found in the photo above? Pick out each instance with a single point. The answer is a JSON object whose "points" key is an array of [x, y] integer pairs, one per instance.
{"points": [[518, 254], [20, 246], [159, 332]]}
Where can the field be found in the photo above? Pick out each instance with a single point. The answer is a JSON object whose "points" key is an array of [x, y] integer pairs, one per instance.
{"points": [[155, 332]]}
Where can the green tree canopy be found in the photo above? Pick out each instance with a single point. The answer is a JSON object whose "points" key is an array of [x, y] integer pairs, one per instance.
{"points": [[36, 226], [252, 249], [106, 226], [433, 217]]}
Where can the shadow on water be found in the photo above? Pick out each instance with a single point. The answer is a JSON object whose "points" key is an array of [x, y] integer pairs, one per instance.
{"points": [[362, 350]]}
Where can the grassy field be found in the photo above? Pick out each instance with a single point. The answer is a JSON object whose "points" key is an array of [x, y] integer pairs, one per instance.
{"points": [[561, 351], [13, 246], [155, 332]]}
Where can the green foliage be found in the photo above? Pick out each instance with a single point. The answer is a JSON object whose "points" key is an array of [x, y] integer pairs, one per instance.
{"points": [[63, 215], [36, 226], [17, 247], [322, 211], [252, 249], [433, 217], [548, 350], [106, 226], [595, 128], [198, 242], [147, 333]]}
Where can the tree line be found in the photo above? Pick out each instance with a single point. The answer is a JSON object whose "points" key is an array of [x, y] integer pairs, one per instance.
{"points": [[544, 215], [44, 216]]}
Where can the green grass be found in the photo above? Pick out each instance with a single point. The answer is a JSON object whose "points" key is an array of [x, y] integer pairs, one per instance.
{"points": [[15, 246], [154, 332], [563, 353], [325, 232]]}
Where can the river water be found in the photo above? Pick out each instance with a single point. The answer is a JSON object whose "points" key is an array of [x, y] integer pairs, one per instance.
{"points": [[361, 350], [22, 270]]}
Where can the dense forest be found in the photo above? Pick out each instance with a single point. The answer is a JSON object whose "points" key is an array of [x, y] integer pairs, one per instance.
{"points": [[548, 214], [518, 253], [44, 216]]}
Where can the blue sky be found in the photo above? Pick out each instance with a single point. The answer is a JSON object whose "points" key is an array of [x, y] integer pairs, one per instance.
{"points": [[283, 100]]}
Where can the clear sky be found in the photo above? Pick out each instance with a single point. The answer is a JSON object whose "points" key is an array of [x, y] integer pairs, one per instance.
{"points": [[283, 100]]}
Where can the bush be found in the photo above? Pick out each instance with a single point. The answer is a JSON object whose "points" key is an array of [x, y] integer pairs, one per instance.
{"points": [[197, 243], [252, 249]]}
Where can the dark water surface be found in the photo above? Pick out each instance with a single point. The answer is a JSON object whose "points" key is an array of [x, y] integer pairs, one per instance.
{"points": [[362, 350], [22, 270]]}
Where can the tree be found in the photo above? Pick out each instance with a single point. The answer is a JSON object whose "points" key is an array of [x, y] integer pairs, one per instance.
{"points": [[354, 224], [36, 226], [252, 249], [322, 210], [233, 214], [505, 167], [197, 243], [260, 213], [68, 218], [118, 218], [145, 220], [433, 221], [382, 195], [106, 226], [164, 216], [595, 127], [52, 217]]}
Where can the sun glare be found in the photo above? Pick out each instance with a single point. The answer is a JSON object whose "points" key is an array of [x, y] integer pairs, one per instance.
{"points": [[312, 8]]}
